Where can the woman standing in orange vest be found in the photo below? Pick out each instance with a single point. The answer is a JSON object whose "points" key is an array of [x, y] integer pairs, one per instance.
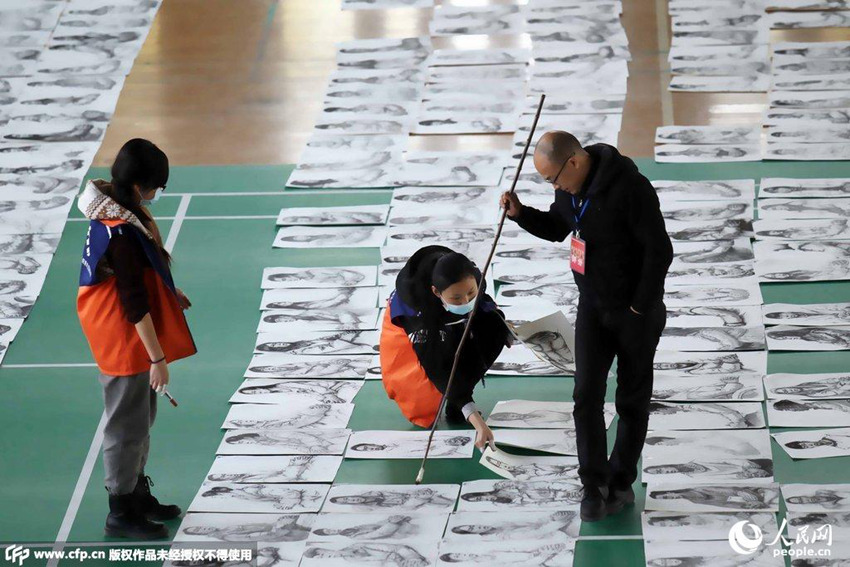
{"points": [[424, 320], [132, 316]]}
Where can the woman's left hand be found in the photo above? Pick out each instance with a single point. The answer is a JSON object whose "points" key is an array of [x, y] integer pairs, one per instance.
{"points": [[183, 301]]}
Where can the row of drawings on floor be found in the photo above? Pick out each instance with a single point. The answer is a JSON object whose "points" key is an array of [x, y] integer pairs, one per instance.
{"points": [[318, 336], [394, 87], [725, 47], [62, 67], [287, 435]]}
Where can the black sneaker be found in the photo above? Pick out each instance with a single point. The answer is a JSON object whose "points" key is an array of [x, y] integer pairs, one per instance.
{"points": [[593, 507], [150, 506], [619, 499], [127, 521]]}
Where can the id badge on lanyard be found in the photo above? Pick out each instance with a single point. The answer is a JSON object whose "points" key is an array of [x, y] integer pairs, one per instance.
{"points": [[578, 248]]}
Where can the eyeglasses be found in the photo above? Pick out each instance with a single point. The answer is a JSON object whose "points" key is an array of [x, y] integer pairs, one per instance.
{"points": [[557, 175]]}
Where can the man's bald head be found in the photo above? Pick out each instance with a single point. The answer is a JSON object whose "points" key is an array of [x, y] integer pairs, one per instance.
{"points": [[561, 161], [556, 146]]}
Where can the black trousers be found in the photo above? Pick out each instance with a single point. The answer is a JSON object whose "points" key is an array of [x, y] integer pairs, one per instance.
{"points": [[601, 335]]}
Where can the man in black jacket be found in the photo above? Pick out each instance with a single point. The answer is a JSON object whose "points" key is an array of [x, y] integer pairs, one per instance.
{"points": [[620, 253]]}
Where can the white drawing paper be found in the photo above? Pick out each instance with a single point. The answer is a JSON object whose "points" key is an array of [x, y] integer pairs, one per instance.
{"points": [[259, 498], [283, 320], [330, 237], [409, 445], [274, 469], [320, 298], [787, 337], [702, 527], [284, 442], [519, 496], [733, 387], [425, 498], [714, 415], [803, 188], [473, 527], [808, 413], [317, 342], [553, 441], [692, 497], [508, 553], [245, 527], [516, 467], [343, 554], [789, 261], [692, 364], [258, 391], [527, 414], [293, 415], [664, 445], [380, 526], [801, 497], [821, 386], [733, 316], [731, 189], [324, 216], [286, 365], [802, 229], [816, 443]]}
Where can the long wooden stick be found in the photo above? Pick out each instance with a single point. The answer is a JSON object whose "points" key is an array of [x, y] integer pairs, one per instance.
{"points": [[468, 326]]}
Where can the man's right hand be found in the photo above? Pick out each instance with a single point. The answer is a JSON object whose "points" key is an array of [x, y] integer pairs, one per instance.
{"points": [[511, 203]]}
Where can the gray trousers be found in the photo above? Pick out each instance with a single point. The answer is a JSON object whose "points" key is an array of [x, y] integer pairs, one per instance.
{"points": [[130, 406]]}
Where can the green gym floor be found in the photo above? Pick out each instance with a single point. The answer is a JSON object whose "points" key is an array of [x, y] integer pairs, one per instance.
{"points": [[221, 222]]}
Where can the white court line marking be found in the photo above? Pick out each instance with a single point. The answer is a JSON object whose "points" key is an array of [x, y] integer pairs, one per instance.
{"points": [[665, 96], [608, 537], [97, 441]]}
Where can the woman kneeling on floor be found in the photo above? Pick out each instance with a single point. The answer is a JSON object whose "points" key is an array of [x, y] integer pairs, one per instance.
{"points": [[425, 317]]}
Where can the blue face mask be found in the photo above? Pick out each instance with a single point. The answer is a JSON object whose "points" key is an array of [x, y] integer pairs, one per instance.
{"points": [[460, 309], [157, 194]]}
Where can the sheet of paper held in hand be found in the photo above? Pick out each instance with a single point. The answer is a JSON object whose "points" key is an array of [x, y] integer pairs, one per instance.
{"points": [[550, 338]]}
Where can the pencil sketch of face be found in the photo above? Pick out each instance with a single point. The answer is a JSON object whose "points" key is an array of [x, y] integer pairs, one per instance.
{"points": [[735, 446], [552, 346], [823, 388], [830, 441], [331, 317], [339, 297], [326, 392], [11, 287], [534, 471], [548, 253], [414, 44], [824, 498], [734, 228], [459, 217], [338, 277], [840, 189], [543, 493], [23, 265], [715, 295], [390, 554], [485, 125], [295, 470], [28, 243], [336, 343], [721, 338], [56, 202], [548, 554], [727, 211], [731, 497], [831, 229], [15, 307], [419, 499], [281, 529], [726, 388], [353, 235], [447, 235], [354, 142], [287, 499], [534, 417], [544, 527], [729, 316], [840, 312], [709, 152], [833, 116], [302, 441], [376, 160], [743, 469], [395, 527], [717, 252], [314, 415], [365, 93], [818, 335], [466, 195], [324, 368], [728, 364], [371, 108]]}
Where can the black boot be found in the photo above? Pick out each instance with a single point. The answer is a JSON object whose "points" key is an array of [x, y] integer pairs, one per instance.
{"points": [[593, 506], [149, 505], [127, 521]]}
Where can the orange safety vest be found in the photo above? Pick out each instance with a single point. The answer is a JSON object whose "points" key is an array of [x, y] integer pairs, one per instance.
{"points": [[403, 376], [114, 341]]}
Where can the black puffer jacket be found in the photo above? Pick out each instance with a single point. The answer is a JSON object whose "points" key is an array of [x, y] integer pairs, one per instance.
{"points": [[435, 333], [628, 249]]}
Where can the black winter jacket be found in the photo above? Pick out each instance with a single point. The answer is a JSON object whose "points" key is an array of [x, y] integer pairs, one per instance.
{"points": [[628, 250]]}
